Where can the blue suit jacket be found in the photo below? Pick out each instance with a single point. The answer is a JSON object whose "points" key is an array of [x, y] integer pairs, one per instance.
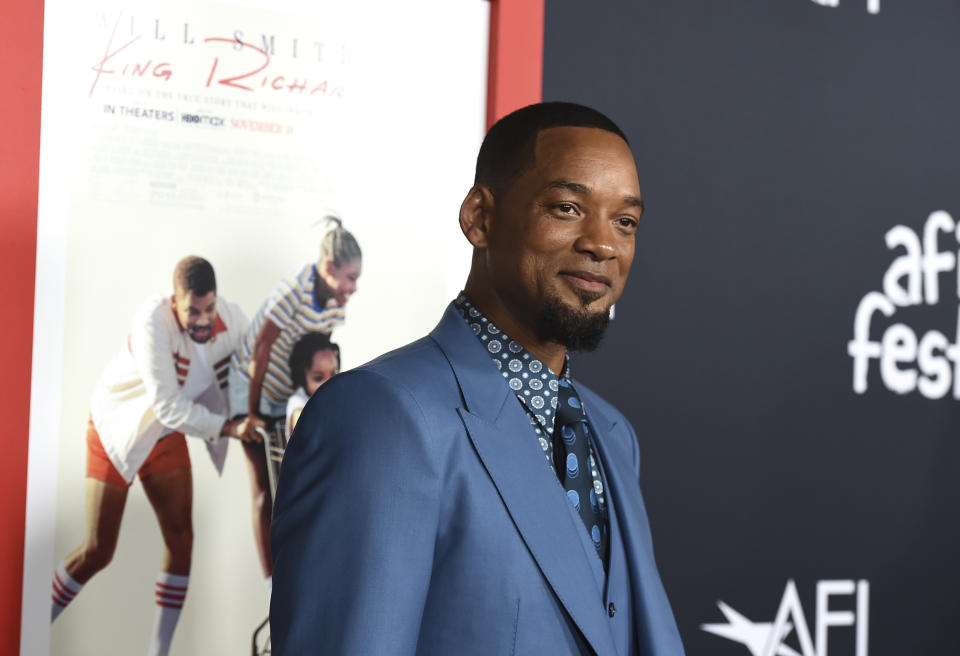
{"points": [[416, 514]]}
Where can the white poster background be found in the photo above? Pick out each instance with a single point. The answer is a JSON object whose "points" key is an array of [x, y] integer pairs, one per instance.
{"points": [[384, 133]]}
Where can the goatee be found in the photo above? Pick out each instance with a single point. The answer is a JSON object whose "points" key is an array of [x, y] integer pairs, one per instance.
{"points": [[575, 328]]}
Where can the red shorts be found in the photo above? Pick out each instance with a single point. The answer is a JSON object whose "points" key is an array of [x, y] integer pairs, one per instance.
{"points": [[169, 453]]}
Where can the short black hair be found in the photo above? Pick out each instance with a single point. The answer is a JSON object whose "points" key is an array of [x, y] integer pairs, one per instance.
{"points": [[509, 147], [194, 274], [302, 355]]}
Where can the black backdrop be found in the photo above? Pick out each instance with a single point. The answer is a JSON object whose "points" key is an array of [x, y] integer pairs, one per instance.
{"points": [[778, 141]]}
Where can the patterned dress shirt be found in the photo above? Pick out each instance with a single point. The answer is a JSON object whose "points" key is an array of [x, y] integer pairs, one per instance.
{"points": [[534, 384]]}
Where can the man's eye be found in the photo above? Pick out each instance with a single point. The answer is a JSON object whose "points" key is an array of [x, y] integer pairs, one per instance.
{"points": [[628, 222], [566, 208]]}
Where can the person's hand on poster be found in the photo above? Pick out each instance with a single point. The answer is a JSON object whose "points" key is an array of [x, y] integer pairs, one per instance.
{"points": [[244, 428]]}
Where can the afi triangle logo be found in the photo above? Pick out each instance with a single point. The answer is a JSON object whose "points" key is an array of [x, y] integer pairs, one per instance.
{"points": [[770, 638]]}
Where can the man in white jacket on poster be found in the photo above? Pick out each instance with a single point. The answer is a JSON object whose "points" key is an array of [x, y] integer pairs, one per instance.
{"points": [[169, 380]]}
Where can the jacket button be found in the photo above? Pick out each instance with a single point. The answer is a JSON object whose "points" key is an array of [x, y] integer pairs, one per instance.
{"points": [[611, 610]]}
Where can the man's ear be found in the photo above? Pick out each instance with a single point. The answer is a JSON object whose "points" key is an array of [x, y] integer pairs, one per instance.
{"points": [[476, 215]]}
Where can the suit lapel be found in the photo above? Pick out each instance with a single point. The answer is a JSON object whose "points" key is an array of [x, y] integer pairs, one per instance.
{"points": [[497, 426]]}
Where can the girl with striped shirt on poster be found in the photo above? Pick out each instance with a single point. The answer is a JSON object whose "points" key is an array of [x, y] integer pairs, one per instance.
{"points": [[309, 301]]}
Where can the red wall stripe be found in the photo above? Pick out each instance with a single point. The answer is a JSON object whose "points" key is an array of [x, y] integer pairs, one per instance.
{"points": [[21, 59], [515, 69]]}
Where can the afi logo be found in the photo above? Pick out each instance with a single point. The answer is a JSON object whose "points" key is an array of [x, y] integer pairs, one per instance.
{"points": [[873, 6], [767, 638], [911, 279]]}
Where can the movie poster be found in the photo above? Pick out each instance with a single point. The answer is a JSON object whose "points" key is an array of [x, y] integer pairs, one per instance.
{"points": [[229, 131]]}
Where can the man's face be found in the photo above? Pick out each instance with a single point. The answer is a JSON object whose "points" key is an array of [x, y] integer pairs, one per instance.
{"points": [[196, 314], [342, 280], [562, 238], [321, 369]]}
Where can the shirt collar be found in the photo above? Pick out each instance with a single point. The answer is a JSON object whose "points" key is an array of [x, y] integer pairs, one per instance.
{"points": [[315, 286], [534, 383]]}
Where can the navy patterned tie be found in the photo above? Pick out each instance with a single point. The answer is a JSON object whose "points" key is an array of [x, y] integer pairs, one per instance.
{"points": [[574, 465]]}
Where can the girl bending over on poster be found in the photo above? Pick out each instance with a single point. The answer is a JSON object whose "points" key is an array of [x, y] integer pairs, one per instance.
{"points": [[168, 381], [311, 300]]}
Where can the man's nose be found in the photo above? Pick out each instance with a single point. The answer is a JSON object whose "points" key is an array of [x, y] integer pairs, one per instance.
{"points": [[597, 239]]}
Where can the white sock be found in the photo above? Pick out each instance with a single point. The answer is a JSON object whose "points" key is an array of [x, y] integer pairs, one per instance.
{"points": [[64, 590], [268, 583], [170, 592]]}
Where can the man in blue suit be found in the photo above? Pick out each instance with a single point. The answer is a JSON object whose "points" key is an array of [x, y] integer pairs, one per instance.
{"points": [[462, 495]]}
